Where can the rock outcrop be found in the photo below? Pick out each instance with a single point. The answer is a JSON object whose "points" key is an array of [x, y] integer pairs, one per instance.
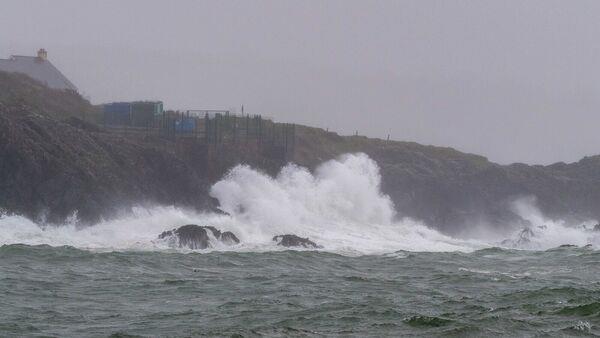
{"points": [[228, 238], [196, 237], [55, 160], [290, 241], [53, 164]]}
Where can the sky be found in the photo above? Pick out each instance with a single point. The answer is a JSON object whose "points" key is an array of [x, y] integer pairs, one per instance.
{"points": [[515, 81]]}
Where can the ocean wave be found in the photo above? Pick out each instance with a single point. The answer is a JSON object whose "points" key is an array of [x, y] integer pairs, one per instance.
{"points": [[340, 207], [590, 309]]}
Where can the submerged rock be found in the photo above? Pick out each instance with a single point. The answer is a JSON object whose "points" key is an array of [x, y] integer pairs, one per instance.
{"points": [[295, 241], [196, 237]]}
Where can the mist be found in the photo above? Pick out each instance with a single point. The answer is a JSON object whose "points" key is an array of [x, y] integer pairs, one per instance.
{"points": [[513, 81]]}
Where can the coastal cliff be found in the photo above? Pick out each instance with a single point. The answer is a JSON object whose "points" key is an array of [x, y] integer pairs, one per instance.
{"points": [[450, 189], [55, 160]]}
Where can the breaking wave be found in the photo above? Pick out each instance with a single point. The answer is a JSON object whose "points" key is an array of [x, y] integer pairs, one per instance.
{"points": [[544, 233], [340, 206]]}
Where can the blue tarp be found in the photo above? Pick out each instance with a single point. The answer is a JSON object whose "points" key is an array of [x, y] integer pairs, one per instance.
{"points": [[185, 125]]}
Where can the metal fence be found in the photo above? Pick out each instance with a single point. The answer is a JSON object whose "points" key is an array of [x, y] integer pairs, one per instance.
{"points": [[215, 128]]}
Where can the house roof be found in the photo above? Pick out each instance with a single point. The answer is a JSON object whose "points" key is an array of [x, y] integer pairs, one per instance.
{"points": [[39, 69]]}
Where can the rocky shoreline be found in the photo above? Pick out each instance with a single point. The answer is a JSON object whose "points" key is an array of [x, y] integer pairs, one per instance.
{"points": [[54, 163]]}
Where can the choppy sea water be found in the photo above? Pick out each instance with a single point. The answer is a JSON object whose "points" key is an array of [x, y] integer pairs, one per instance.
{"points": [[67, 292]]}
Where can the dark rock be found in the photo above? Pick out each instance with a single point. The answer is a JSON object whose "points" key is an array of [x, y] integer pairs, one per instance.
{"points": [[191, 236], [597, 227], [525, 236], [294, 241], [197, 237], [229, 238], [212, 229]]}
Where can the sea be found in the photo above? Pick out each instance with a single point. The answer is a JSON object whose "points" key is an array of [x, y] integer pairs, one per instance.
{"points": [[377, 273]]}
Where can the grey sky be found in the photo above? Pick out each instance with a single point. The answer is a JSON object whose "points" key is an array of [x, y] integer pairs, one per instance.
{"points": [[511, 80]]}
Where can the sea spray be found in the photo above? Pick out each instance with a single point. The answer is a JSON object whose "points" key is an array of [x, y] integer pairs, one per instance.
{"points": [[137, 230], [545, 233], [340, 206]]}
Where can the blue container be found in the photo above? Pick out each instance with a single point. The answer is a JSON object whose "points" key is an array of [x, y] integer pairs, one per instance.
{"points": [[185, 125], [117, 107], [117, 113], [136, 114]]}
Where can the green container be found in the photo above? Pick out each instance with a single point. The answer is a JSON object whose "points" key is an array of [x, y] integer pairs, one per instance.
{"points": [[143, 113]]}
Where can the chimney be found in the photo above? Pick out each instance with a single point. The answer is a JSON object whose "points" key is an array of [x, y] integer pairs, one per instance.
{"points": [[42, 54]]}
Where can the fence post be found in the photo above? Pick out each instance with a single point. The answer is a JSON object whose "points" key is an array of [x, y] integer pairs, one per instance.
{"points": [[285, 141], [216, 131], [206, 128], [247, 128], [260, 131], [234, 129]]}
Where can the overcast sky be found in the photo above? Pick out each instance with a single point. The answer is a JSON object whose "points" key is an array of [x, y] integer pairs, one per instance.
{"points": [[515, 81]]}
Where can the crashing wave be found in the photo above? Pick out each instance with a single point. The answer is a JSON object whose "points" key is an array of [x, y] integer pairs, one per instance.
{"points": [[340, 206]]}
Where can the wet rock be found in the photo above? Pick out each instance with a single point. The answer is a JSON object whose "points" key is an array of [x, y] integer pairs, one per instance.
{"points": [[196, 237], [294, 241], [525, 236], [229, 238], [190, 236], [226, 237]]}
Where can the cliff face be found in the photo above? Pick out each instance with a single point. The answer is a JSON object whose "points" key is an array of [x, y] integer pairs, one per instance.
{"points": [[53, 163], [449, 189], [48, 169]]}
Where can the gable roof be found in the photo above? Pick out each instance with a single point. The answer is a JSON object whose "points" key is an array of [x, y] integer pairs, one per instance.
{"points": [[39, 69]]}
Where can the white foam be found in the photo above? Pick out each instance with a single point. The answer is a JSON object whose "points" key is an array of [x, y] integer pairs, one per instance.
{"points": [[340, 207], [545, 233]]}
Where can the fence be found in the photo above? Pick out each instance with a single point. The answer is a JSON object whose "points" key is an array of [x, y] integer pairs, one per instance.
{"points": [[215, 128]]}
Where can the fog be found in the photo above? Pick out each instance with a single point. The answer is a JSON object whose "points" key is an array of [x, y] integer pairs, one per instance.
{"points": [[515, 81]]}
